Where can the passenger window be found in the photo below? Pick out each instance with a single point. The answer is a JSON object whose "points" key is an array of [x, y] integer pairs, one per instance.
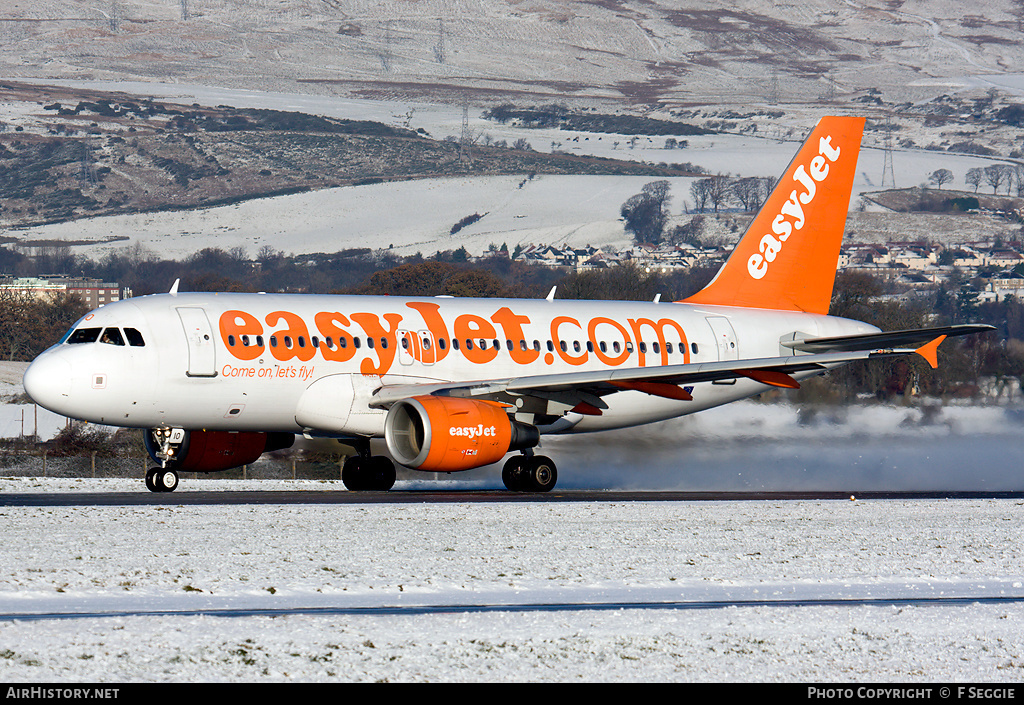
{"points": [[84, 335], [134, 338], [112, 336]]}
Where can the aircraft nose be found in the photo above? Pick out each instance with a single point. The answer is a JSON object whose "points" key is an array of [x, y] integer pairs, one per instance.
{"points": [[48, 381]]}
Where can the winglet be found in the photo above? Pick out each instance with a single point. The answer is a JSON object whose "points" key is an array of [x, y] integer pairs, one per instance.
{"points": [[787, 258], [930, 351]]}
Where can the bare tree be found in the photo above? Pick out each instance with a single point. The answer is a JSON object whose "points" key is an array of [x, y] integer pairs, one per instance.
{"points": [[1018, 179], [719, 191], [747, 191], [700, 191], [940, 177], [996, 175], [974, 177]]}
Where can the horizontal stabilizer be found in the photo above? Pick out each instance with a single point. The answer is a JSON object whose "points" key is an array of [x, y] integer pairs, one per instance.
{"points": [[894, 339]]}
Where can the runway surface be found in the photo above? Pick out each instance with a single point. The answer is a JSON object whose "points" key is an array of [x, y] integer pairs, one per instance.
{"points": [[906, 600], [145, 498]]}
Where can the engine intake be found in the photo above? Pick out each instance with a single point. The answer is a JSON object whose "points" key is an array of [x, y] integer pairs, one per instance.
{"points": [[448, 434]]}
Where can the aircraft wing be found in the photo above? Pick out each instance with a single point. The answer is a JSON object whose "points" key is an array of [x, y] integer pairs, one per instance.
{"points": [[902, 338], [587, 387]]}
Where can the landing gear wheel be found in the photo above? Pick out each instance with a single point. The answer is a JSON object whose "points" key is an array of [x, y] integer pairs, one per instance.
{"points": [[512, 473], [541, 474], [529, 474], [367, 474], [383, 473], [161, 480]]}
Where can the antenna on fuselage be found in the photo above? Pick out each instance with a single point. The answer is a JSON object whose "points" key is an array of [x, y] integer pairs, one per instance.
{"points": [[174, 288], [551, 294]]}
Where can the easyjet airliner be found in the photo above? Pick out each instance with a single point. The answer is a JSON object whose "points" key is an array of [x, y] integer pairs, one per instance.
{"points": [[451, 384]]}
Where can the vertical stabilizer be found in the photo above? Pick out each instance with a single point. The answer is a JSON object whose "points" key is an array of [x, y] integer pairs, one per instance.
{"points": [[787, 258]]}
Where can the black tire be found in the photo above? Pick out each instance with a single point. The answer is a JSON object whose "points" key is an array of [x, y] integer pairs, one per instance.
{"points": [[541, 474], [151, 480], [369, 474], [384, 474], [353, 474], [165, 480], [512, 473]]}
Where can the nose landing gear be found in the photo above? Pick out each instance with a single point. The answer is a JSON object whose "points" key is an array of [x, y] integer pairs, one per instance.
{"points": [[165, 446], [161, 480]]}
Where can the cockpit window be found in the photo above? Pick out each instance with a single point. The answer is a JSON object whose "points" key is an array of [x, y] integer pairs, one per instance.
{"points": [[134, 338], [84, 335], [112, 336]]}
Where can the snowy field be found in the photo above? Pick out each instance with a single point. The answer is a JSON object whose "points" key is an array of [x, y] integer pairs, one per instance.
{"points": [[189, 558], [452, 592], [416, 216]]}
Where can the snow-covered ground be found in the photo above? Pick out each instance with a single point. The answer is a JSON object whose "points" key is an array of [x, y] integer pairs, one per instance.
{"points": [[198, 559], [191, 558], [417, 216]]}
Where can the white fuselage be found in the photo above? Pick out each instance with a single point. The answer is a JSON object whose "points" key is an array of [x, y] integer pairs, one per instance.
{"points": [[310, 363]]}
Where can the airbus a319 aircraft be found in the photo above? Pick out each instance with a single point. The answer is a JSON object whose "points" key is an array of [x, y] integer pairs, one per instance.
{"points": [[451, 384]]}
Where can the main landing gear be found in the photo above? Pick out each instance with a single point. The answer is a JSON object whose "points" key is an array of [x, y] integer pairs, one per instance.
{"points": [[529, 473], [363, 472]]}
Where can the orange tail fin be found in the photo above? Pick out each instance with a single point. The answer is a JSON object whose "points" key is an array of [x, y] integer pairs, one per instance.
{"points": [[787, 258]]}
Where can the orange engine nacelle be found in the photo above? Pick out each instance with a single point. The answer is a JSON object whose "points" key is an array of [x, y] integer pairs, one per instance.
{"points": [[211, 451], [448, 434]]}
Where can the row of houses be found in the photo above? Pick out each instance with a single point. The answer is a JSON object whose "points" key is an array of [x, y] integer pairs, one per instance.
{"points": [[917, 265], [663, 257], [94, 292]]}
